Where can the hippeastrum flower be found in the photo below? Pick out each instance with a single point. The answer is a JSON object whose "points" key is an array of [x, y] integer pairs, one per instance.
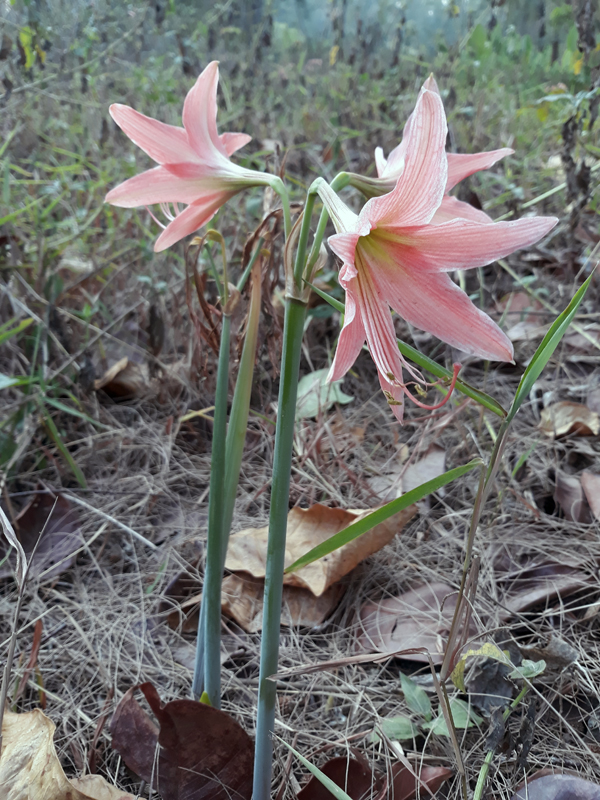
{"points": [[460, 166], [395, 255], [194, 165]]}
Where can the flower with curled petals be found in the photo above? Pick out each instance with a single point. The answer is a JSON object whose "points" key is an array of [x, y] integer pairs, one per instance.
{"points": [[395, 253], [194, 169]]}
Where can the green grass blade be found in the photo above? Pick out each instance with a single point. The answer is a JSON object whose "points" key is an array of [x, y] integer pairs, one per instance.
{"points": [[380, 515], [74, 412], [8, 334], [53, 431], [427, 363], [547, 347], [335, 790]]}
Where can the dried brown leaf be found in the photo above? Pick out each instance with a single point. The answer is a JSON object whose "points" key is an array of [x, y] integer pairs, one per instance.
{"points": [[214, 766], [558, 787], [352, 775], [242, 599], [96, 788], [428, 780], [541, 583], [123, 379], [60, 540], [568, 493], [419, 618], [561, 419], [591, 487], [29, 766], [306, 529]]}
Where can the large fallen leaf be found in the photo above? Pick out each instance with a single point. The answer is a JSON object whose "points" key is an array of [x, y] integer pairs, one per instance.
{"points": [[568, 493], [215, 765], [61, 538], [406, 783], [96, 788], [308, 528], [419, 618], [558, 787], [561, 419], [316, 395], [352, 775], [30, 769], [539, 583], [590, 484], [242, 599]]}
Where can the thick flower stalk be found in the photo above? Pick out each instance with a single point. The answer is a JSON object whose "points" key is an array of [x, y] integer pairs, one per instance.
{"points": [[397, 253], [194, 169]]}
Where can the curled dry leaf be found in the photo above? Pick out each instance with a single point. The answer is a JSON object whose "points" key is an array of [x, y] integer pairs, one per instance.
{"points": [[419, 618], [557, 787], [29, 766], [353, 775], [123, 379], [561, 419], [242, 599], [590, 484], [61, 538], [214, 766], [568, 493], [306, 529]]}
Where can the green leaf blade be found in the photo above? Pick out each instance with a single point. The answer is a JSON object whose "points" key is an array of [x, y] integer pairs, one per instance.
{"points": [[381, 515]]}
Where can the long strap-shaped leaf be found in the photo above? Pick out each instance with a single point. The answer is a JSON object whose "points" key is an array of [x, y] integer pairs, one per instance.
{"points": [[427, 363], [380, 515], [547, 347]]}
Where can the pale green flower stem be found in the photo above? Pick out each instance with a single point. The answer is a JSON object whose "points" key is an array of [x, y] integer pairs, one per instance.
{"points": [[225, 469], [293, 328], [211, 599]]}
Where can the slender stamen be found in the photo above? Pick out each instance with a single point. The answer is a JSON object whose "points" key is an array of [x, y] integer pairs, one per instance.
{"points": [[455, 371], [158, 222]]}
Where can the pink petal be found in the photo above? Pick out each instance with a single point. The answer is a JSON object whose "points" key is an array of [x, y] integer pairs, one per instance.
{"points": [[380, 162], [164, 143], [192, 218], [433, 303], [234, 141], [462, 244], [461, 165], [200, 115], [377, 322], [344, 246], [451, 208], [352, 338], [420, 188], [156, 185], [393, 167], [394, 395]]}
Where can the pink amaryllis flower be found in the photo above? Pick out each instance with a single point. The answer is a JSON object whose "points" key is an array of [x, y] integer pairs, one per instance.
{"points": [[194, 169], [394, 255]]}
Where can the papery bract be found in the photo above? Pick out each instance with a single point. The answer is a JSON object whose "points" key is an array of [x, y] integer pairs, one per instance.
{"points": [[194, 165], [395, 253]]}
